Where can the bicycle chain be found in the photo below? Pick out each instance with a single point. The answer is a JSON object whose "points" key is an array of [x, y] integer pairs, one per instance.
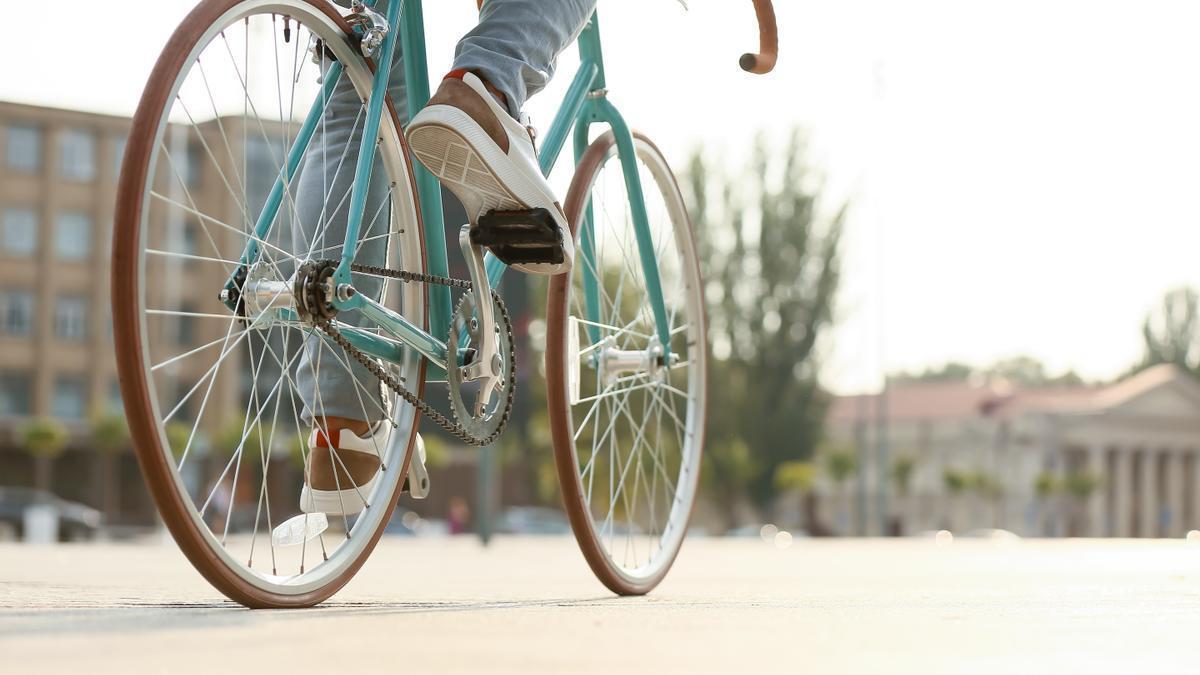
{"points": [[453, 427]]}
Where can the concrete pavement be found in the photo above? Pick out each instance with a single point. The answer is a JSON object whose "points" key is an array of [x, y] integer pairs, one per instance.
{"points": [[532, 606]]}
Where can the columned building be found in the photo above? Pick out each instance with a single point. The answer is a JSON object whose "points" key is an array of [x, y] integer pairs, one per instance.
{"points": [[1121, 460]]}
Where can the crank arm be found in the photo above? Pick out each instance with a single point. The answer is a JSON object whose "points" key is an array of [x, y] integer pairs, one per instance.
{"points": [[486, 366]]}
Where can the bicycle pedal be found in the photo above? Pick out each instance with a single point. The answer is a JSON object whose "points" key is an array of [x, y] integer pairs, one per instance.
{"points": [[528, 236]]}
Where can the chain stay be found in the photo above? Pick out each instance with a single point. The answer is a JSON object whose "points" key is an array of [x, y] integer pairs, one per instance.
{"points": [[451, 426]]}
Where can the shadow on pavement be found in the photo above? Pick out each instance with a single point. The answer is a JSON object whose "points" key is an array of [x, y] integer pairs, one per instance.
{"points": [[147, 615]]}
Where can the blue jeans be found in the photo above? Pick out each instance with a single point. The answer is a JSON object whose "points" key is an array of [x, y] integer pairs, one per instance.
{"points": [[514, 47]]}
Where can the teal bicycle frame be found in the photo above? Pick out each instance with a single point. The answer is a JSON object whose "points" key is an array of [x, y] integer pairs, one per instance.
{"points": [[584, 104]]}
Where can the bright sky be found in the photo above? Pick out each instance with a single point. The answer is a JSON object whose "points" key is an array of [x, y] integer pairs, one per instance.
{"points": [[1023, 174]]}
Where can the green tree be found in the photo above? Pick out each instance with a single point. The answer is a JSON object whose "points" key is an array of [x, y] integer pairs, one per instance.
{"points": [[800, 477], [840, 464], [729, 468], [1171, 333], [985, 485], [1022, 369], [956, 482], [770, 250], [901, 474], [952, 371], [178, 434], [44, 439], [1079, 486], [110, 437], [239, 433], [1046, 485]]}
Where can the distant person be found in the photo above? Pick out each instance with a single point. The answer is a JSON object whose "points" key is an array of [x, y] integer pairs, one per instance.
{"points": [[459, 516]]}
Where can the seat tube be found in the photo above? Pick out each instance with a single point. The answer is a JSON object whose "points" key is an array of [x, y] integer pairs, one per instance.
{"points": [[416, 79]]}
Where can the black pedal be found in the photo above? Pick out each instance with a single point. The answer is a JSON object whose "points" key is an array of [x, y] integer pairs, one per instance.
{"points": [[514, 237]]}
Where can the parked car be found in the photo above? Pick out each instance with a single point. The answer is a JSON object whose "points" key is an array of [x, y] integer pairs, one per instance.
{"points": [[532, 520], [75, 521]]}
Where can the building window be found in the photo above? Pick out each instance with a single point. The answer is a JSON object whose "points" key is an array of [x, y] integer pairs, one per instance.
{"points": [[15, 394], [191, 238], [185, 325], [115, 401], [70, 318], [77, 155], [23, 150], [263, 160], [73, 236], [19, 235], [16, 313], [184, 157], [119, 153], [70, 398], [182, 236]]}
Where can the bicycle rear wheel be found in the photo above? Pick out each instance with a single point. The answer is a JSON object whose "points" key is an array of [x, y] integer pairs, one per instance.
{"points": [[627, 423], [212, 396]]}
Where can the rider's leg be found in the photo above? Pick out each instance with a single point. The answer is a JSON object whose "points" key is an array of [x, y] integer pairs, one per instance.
{"points": [[516, 44], [337, 392], [470, 135]]}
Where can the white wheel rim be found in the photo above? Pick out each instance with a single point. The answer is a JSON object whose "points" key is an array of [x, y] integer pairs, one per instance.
{"points": [[405, 234], [635, 565]]}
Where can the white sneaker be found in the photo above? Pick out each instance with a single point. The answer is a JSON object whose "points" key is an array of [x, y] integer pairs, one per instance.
{"points": [[486, 158], [338, 481]]}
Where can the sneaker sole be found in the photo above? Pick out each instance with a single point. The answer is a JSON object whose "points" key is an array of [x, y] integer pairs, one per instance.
{"points": [[464, 169], [336, 502]]}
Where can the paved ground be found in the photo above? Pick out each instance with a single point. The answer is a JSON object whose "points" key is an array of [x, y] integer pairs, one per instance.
{"points": [[531, 606]]}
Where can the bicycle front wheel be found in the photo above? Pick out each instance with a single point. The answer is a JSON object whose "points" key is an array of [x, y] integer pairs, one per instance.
{"points": [[627, 416], [220, 400]]}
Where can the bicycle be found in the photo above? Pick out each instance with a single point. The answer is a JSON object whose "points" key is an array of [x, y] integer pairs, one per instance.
{"points": [[217, 291]]}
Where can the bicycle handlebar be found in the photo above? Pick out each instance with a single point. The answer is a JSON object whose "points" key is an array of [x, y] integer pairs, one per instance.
{"points": [[768, 41]]}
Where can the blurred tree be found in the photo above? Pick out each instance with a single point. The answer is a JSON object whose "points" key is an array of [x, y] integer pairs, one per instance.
{"points": [[841, 464], [1023, 370], [956, 482], [902, 471], [1079, 486], [110, 437], [1030, 372], [800, 477], [985, 485], [244, 438], [178, 434], [1171, 334], [1047, 487], [44, 438], [990, 491], [948, 372], [729, 468], [242, 434], [770, 252]]}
